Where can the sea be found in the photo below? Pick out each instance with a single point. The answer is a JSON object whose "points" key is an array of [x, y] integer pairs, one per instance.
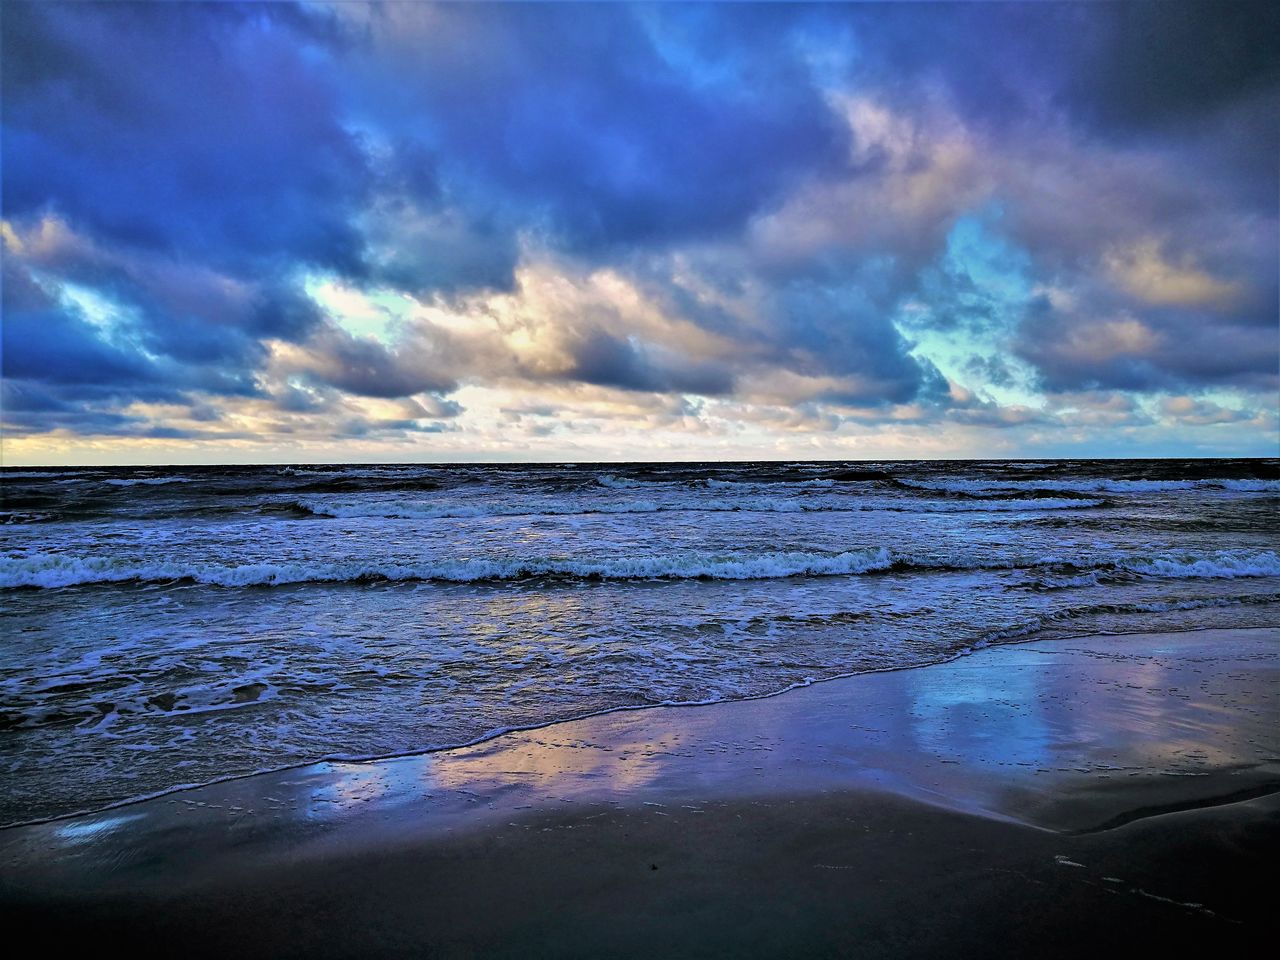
{"points": [[163, 627]]}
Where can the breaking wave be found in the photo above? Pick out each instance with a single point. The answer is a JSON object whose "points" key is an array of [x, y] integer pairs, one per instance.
{"points": [[418, 510], [612, 482], [46, 570], [1098, 485], [1223, 564], [146, 481], [42, 570]]}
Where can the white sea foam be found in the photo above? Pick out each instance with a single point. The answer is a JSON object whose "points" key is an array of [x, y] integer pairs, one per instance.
{"points": [[1098, 485], [1222, 564], [1247, 486], [1171, 606], [45, 570], [146, 481], [814, 483], [424, 510], [33, 474], [613, 482], [416, 509], [23, 516], [1000, 505], [350, 473], [55, 570]]}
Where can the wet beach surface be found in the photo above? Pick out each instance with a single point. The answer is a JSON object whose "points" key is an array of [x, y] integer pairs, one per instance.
{"points": [[1100, 792]]}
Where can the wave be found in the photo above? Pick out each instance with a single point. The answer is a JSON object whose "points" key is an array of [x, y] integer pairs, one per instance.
{"points": [[146, 481], [1220, 565], [55, 570], [416, 510], [1245, 486], [1223, 564], [341, 470], [1174, 606], [1030, 628], [42, 570], [813, 483], [1004, 505], [411, 510], [98, 703], [740, 482], [613, 482], [1215, 565], [20, 474], [363, 485], [21, 516], [1099, 485]]}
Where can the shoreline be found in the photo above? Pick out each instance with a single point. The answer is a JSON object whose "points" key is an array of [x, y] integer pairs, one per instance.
{"points": [[982, 646], [1136, 777]]}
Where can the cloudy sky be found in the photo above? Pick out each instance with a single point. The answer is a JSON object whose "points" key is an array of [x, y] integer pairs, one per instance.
{"points": [[466, 232]]}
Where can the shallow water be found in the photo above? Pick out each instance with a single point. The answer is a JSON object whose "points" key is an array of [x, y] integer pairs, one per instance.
{"points": [[165, 627]]}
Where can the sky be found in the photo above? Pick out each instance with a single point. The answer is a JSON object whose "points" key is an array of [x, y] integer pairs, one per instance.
{"points": [[323, 232]]}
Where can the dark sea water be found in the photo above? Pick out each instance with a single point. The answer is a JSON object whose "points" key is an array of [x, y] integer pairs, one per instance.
{"points": [[175, 626]]}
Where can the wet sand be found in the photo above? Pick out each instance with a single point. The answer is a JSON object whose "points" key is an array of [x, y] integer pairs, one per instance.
{"points": [[1106, 794]]}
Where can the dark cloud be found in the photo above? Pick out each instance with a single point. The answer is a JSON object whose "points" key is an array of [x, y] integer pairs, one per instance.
{"points": [[1166, 350], [831, 322], [1159, 64], [204, 130], [609, 361], [579, 116], [177, 161], [31, 407], [369, 369], [1122, 69], [47, 342], [846, 330]]}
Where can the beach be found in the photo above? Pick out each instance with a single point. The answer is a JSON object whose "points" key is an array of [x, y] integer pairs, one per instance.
{"points": [[624, 480], [1101, 793], [171, 627]]}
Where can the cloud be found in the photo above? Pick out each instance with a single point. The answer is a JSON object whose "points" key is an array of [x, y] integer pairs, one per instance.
{"points": [[1169, 349], [48, 342], [1143, 271], [362, 366], [606, 360], [1188, 410], [593, 119], [204, 130], [294, 222], [1098, 408], [1152, 66]]}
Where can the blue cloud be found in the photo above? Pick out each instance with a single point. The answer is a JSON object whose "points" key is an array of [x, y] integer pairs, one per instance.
{"points": [[576, 118], [203, 130], [49, 342]]}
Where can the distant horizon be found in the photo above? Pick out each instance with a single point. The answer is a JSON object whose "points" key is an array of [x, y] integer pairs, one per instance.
{"points": [[596, 463], [361, 232]]}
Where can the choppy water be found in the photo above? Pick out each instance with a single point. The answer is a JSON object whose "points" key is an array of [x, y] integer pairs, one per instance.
{"points": [[164, 627]]}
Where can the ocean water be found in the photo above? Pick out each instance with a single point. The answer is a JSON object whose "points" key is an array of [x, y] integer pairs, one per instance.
{"points": [[163, 627]]}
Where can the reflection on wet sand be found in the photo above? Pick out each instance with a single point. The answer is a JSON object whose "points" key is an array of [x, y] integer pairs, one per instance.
{"points": [[1064, 735], [1008, 733]]}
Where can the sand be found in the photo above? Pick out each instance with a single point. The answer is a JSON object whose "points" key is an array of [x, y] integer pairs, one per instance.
{"points": [[1102, 794]]}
